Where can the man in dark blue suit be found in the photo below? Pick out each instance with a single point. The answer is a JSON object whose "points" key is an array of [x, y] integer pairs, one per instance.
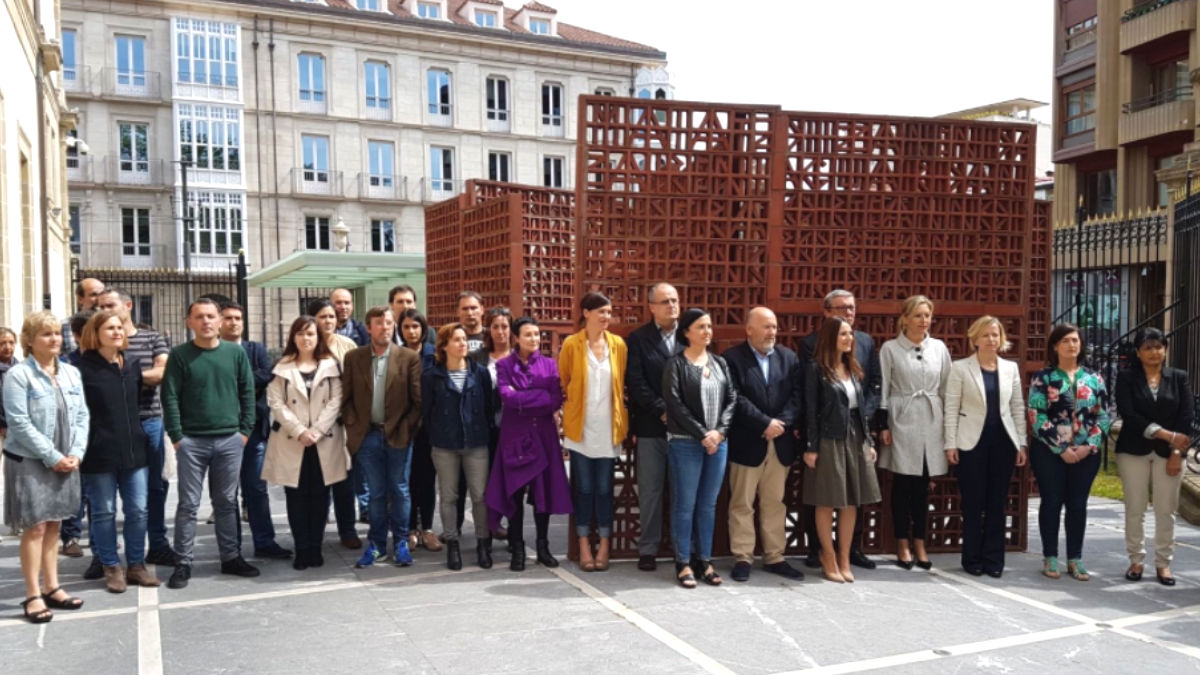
{"points": [[762, 445], [254, 488], [841, 303]]}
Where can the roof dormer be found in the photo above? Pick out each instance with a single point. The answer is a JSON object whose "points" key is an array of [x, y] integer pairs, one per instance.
{"points": [[484, 13], [434, 10], [371, 5], [537, 19]]}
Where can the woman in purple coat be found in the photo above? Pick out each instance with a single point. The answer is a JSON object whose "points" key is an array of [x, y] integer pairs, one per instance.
{"points": [[529, 462]]}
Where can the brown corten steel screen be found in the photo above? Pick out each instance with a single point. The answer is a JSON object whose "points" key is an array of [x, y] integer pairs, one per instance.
{"points": [[745, 205]]}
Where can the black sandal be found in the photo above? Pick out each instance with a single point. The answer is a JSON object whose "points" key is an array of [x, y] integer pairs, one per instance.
{"points": [[710, 575], [683, 572], [43, 616], [66, 603], [1134, 573]]}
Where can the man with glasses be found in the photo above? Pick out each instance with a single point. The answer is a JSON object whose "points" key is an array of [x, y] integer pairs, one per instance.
{"points": [[650, 346], [840, 303]]}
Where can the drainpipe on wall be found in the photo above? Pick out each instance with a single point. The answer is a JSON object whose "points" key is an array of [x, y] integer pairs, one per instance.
{"points": [[262, 237], [43, 200]]}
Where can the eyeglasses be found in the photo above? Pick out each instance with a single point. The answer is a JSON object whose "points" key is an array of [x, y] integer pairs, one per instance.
{"points": [[844, 309]]}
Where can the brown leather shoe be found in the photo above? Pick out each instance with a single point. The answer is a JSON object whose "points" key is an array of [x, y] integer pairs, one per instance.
{"points": [[72, 549], [351, 542], [430, 541], [114, 578], [138, 575]]}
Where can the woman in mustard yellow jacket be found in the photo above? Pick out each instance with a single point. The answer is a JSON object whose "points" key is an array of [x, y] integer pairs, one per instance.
{"points": [[591, 365]]}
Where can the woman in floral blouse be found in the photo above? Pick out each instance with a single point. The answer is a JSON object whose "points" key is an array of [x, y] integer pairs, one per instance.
{"points": [[1068, 405]]}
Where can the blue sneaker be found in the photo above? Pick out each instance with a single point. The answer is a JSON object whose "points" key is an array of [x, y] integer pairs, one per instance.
{"points": [[403, 557], [369, 556]]}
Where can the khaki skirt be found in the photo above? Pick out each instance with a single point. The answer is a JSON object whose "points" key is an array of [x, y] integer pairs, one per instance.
{"points": [[844, 476]]}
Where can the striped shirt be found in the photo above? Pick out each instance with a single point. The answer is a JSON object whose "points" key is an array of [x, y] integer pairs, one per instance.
{"points": [[145, 346], [458, 378]]}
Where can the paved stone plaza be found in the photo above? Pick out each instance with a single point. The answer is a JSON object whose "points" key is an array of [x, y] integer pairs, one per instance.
{"points": [[425, 619]]}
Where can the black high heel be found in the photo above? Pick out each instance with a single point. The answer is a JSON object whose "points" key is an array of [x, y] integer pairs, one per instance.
{"points": [[925, 564], [904, 564], [1165, 581]]}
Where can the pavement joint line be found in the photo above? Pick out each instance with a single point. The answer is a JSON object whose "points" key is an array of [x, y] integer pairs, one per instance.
{"points": [[674, 642], [1164, 615], [1179, 648], [1016, 597], [150, 649]]}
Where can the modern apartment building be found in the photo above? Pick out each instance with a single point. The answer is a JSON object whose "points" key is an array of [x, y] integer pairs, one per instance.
{"points": [[33, 124], [294, 119]]}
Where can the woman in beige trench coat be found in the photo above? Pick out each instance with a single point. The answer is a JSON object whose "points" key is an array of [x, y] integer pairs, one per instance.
{"points": [[306, 451]]}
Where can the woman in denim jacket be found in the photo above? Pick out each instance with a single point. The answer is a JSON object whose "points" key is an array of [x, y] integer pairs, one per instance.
{"points": [[47, 436]]}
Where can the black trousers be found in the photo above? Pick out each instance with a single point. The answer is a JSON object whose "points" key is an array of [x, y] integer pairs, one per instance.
{"points": [[910, 504], [308, 504], [516, 525], [343, 507], [422, 484], [983, 478]]}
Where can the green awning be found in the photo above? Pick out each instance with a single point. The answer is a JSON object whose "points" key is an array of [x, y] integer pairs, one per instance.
{"points": [[327, 269]]}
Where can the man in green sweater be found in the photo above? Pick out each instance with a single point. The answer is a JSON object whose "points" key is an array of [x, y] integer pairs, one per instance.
{"points": [[208, 412]]}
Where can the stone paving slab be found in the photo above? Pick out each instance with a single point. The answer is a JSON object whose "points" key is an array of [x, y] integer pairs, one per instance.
{"points": [[426, 619]]}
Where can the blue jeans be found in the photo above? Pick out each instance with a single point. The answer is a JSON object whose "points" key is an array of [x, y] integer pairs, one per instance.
{"points": [[1061, 484], [102, 489], [362, 491], [157, 486], [386, 470], [696, 478], [592, 480], [254, 494]]}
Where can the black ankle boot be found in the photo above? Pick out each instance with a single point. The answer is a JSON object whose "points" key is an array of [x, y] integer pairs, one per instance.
{"points": [[517, 562], [544, 557], [453, 555], [483, 553]]}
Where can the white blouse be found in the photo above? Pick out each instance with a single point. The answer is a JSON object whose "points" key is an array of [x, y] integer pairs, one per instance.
{"points": [[597, 413]]}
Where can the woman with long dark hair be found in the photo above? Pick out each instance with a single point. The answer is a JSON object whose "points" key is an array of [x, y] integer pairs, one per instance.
{"points": [[422, 481], [1069, 404], [1155, 404], [529, 456], [840, 455], [700, 399], [497, 345], [591, 364], [306, 450]]}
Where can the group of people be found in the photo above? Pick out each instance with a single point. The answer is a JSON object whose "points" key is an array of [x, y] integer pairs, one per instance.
{"points": [[395, 419]]}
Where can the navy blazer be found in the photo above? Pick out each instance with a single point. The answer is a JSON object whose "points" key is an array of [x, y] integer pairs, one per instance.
{"points": [[1138, 408], [260, 364], [644, 366], [868, 360], [760, 401], [356, 331], [457, 420]]}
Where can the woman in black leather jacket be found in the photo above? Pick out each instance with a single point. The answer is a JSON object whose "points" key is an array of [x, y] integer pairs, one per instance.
{"points": [[840, 459], [700, 400]]}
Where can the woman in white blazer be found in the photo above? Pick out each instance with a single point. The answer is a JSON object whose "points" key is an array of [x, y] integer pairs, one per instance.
{"points": [[306, 451], [985, 438]]}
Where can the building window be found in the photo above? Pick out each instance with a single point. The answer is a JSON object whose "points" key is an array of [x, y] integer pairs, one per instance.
{"points": [[206, 52], [552, 105], [1099, 191], [131, 61], [379, 159], [143, 309], [438, 90], [210, 137], [134, 147], [497, 98], [441, 170], [316, 158], [1080, 107], [378, 84], [552, 172], [73, 151], [217, 222], [383, 236], [135, 232], [605, 91], [369, 5], [73, 220], [316, 233], [1170, 79], [484, 18], [312, 77], [498, 163], [429, 10], [69, 58], [539, 26]]}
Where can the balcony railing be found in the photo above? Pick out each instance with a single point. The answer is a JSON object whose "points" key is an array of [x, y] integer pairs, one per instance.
{"points": [[1183, 93], [392, 188], [378, 112], [94, 254], [79, 169], [135, 172], [1081, 39], [77, 79], [1143, 8], [130, 83], [315, 104], [497, 121], [317, 182], [439, 189]]}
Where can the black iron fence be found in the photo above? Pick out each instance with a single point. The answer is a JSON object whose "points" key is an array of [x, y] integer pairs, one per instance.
{"points": [[161, 296]]}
